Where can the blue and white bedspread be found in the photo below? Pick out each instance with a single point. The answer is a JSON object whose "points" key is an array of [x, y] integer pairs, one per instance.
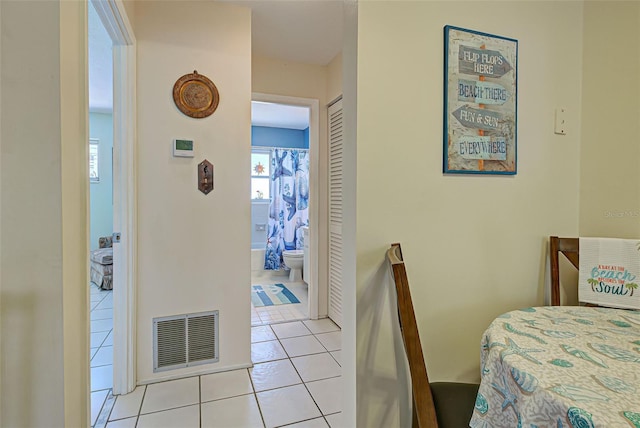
{"points": [[560, 366]]}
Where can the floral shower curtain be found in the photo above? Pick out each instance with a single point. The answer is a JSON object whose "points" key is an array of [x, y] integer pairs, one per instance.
{"points": [[288, 211]]}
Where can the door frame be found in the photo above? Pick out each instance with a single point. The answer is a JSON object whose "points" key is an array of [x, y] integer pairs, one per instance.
{"points": [[314, 150], [114, 18]]}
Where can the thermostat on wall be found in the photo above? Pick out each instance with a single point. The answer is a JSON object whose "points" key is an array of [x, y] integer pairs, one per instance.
{"points": [[183, 148]]}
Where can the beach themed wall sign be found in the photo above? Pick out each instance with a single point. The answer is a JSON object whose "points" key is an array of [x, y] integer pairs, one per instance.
{"points": [[480, 102]]}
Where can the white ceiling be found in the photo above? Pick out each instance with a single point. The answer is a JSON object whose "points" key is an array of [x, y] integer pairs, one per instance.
{"points": [[279, 115], [306, 31]]}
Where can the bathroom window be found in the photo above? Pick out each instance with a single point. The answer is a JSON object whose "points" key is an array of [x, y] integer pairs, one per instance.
{"points": [[260, 174], [94, 176]]}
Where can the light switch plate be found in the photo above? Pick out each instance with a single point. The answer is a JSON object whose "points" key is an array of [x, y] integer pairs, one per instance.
{"points": [[561, 121]]}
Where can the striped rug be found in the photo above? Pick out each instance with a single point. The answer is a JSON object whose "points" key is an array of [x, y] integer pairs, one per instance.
{"points": [[273, 294]]}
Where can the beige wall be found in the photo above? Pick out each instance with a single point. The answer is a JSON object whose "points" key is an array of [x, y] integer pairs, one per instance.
{"points": [[275, 77], [1, 214], [193, 249], [474, 245], [610, 152], [130, 9], [349, 190], [74, 129], [334, 78], [44, 294]]}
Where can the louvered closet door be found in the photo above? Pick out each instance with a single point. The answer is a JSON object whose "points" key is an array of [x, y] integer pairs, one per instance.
{"points": [[335, 212]]}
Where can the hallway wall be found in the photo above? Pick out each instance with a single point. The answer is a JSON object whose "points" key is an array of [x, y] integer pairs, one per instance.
{"points": [[44, 183], [193, 249]]}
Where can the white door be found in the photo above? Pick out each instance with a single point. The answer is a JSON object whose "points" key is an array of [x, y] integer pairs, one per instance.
{"points": [[115, 20], [335, 211]]}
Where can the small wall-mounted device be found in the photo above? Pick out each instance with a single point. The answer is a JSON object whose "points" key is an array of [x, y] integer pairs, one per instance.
{"points": [[183, 148], [561, 121], [205, 176]]}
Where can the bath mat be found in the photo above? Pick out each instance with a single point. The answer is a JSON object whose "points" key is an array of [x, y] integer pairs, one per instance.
{"points": [[273, 294]]}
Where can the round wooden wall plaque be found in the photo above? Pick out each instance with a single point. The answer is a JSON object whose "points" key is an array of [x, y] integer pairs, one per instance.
{"points": [[195, 95]]}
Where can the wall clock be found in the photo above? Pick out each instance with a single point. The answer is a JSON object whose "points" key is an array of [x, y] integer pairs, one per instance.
{"points": [[195, 95]]}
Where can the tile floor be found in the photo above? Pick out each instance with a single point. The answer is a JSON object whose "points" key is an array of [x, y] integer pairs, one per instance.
{"points": [[101, 352], [295, 380]]}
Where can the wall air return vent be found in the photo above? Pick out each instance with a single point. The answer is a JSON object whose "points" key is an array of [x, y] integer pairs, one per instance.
{"points": [[185, 340]]}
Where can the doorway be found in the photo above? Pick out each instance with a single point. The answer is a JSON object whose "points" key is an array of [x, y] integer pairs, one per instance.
{"points": [[110, 18], [307, 283], [101, 128]]}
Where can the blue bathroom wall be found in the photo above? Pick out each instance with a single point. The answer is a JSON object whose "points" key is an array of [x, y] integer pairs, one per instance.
{"points": [[101, 192], [263, 136]]}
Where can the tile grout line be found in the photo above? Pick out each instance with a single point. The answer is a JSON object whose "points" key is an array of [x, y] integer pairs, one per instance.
{"points": [[310, 395], [104, 402], [103, 417], [255, 396], [304, 420], [304, 383], [162, 410], [298, 372], [144, 394], [107, 405]]}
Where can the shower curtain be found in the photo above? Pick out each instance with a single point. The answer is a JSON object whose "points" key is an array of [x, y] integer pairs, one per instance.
{"points": [[288, 211]]}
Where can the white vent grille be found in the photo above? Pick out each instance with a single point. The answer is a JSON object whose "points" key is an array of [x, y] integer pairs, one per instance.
{"points": [[185, 340]]}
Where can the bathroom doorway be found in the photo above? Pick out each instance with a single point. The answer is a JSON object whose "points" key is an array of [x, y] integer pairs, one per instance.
{"points": [[284, 130]]}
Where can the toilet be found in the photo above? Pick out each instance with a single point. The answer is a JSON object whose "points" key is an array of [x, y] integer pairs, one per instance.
{"points": [[294, 259]]}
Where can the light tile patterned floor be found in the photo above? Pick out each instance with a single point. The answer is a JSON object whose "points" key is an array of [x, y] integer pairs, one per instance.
{"points": [[101, 351], [282, 389], [295, 380]]}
